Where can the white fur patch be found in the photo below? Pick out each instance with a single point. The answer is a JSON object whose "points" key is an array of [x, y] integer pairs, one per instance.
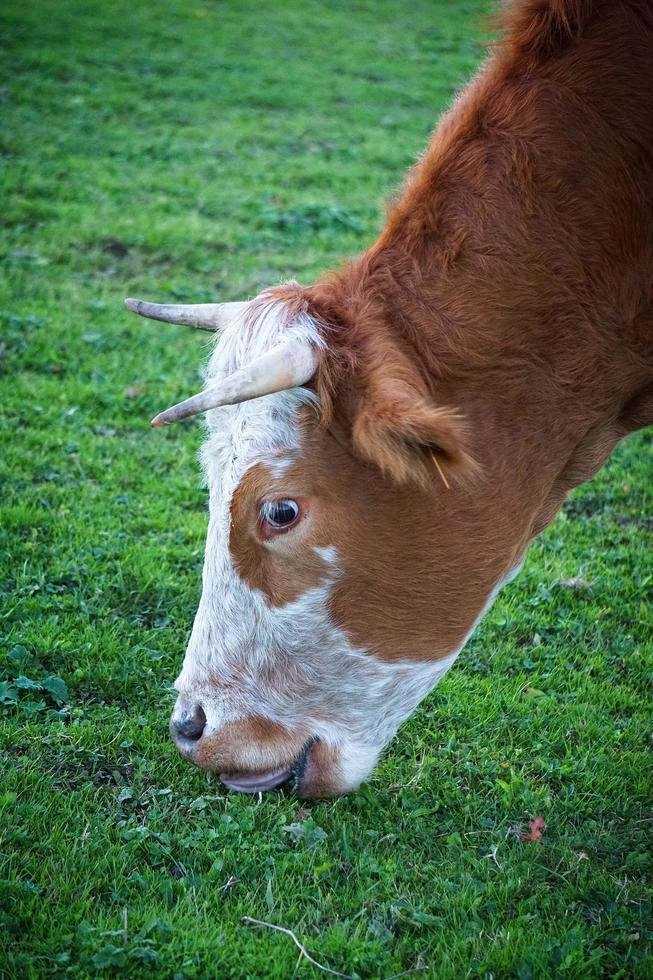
{"points": [[328, 554]]}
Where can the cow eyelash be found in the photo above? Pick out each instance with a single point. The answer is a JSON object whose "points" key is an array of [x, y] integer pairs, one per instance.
{"points": [[279, 515]]}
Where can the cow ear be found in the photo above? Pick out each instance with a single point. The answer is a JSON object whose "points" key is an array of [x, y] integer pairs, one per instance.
{"points": [[411, 439]]}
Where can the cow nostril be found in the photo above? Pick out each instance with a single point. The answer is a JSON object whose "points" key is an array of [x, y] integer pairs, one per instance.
{"points": [[190, 724]]}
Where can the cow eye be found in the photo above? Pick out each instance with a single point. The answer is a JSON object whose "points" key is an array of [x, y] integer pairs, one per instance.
{"points": [[279, 514]]}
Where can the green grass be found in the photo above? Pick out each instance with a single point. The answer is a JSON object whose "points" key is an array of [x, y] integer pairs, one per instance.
{"points": [[198, 149]]}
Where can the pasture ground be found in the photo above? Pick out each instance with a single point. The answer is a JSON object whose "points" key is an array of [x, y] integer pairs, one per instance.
{"points": [[198, 149]]}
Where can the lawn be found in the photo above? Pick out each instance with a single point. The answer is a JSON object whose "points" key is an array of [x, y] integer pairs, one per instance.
{"points": [[196, 149]]}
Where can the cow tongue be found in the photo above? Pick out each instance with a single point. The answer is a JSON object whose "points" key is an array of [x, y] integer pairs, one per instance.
{"points": [[256, 782]]}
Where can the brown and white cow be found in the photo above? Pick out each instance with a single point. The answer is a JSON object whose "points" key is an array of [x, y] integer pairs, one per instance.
{"points": [[384, 445]]}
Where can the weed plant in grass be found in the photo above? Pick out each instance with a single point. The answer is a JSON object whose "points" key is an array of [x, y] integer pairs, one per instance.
{"points": [[195, 150]]}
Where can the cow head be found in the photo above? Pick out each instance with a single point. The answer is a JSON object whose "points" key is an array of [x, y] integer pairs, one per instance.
{"points": [[342, 574]]}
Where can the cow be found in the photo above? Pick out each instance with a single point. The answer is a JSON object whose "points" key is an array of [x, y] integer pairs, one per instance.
{"points": [[383, 445]]}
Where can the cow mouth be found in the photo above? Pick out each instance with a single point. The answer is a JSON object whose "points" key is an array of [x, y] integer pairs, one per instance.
{"points": [[262, 782]]}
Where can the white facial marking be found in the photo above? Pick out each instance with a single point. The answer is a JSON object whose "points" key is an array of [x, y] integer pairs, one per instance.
{"points": [[290, 664], [328, 554], [279, 466]]}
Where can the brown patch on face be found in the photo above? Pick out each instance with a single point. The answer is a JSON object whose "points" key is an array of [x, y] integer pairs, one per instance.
{"points": [[284, 565], [249, 745], [415, 565]]}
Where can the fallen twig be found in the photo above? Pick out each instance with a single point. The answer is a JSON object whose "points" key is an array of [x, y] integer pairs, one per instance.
{"points": [[302, 949]]}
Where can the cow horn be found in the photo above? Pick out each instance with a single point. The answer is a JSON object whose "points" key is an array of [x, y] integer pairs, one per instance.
{"points": [[204, 316], [288, 365]]}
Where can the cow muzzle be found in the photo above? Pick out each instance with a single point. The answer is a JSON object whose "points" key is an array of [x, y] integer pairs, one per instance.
{"points": [[251, 755]]}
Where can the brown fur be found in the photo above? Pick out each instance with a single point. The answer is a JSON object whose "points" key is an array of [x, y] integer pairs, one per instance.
{"points": [[284, 566], [404, 589], [518, 263], [503, 319], [513, 281]]}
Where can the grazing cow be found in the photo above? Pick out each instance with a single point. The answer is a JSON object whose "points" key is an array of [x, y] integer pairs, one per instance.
{"points": [[384, 445]]}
